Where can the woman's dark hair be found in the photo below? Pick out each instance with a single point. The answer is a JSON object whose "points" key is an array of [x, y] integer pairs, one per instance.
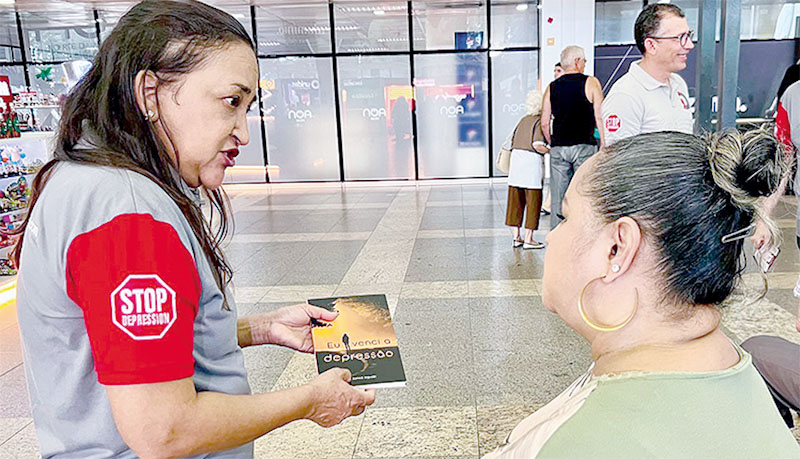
{"points": [[687, 192], [649, 20], [168, 38]]}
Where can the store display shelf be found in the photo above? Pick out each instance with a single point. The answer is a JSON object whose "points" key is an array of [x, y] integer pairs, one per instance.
{"points": [[27, 175], [36, 106], [13, 211]]}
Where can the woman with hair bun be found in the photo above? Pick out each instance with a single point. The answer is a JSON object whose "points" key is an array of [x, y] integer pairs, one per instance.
{"points": [[650, 248], [131, 338]]}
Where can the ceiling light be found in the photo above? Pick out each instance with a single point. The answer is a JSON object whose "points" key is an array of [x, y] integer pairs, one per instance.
{"points": [[379, 13], [6, 2], [522, 7]]}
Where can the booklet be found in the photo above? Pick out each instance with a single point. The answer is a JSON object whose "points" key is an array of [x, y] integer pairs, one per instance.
{"points": [[361, 339]]}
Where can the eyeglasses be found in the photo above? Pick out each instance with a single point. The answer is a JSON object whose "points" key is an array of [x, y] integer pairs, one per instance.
{"points": [[683, 38]]}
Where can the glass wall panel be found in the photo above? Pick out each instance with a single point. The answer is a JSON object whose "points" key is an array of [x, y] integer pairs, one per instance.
{"points": [[770, 19], [375, 98], [513, 75], [109, 15], [60, 34], [691, 9], [9, 36], [56, 79], [16, 75], [614, 20], [294, 28], [371, 26], [449, 24], [515, 23], [451, 94], [300, 117]]}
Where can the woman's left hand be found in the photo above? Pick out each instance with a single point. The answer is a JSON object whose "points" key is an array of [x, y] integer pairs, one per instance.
{"points": [[289, 326]]}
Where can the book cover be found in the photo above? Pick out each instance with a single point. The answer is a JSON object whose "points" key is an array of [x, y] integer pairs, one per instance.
{"points": [[361, 339]]}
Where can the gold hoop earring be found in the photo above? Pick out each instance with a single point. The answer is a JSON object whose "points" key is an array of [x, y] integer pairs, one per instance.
{"points": [[601, 327]]}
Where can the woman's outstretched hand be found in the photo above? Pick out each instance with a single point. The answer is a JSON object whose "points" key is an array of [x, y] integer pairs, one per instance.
{"points": [[289, 326]]}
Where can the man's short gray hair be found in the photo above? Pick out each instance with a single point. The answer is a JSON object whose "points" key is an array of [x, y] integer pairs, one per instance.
{"points": [[569, 54]]}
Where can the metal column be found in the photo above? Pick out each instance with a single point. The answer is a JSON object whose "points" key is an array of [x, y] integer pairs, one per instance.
{"points": [[706, 58], [729, 66]]}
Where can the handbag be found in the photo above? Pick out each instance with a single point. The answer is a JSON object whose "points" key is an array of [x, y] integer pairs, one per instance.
{"points": [[503, 162]]}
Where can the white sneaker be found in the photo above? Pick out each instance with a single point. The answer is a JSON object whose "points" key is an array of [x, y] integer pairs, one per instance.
{"points": [[517, 243]]}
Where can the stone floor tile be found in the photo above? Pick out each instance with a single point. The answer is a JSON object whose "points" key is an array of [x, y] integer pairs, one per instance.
{"points": [[441, 289], [23, 445], [495, 422], [783, 298], [14, 401], [297, 293], [508, 377], [746, 316], [12, 426], [418, 431], [514, 287], [300, 369], [307, 440], [249, 294]]}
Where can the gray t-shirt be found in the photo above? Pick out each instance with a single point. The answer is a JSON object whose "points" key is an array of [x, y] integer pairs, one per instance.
{"points": [[114, 288]]}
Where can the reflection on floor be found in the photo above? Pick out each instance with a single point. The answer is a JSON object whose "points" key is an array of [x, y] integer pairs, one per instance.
{"points": [[479, 349]]}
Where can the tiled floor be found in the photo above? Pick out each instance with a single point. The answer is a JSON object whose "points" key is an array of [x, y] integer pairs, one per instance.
{"points": [[479, 349]]}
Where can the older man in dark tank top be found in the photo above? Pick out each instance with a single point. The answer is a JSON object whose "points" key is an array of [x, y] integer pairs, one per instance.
{"points": [[573, 101]]}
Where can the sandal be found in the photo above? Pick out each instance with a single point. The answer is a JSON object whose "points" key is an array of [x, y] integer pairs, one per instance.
{"points": [[532, 245]]}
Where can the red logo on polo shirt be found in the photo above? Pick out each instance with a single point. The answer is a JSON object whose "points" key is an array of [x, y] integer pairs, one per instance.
{"points": [[613, 123], [684, 100], [143, 306]]}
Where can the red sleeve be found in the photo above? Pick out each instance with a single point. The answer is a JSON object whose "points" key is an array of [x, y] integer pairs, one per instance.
{"points": [[139, 289], [783, 129]]}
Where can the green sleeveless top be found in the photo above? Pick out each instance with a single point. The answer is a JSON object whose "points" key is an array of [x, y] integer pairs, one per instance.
{"points": [[725, 414]]}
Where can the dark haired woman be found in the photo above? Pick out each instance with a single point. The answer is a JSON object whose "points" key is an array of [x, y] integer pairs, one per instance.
{"points": [[646, 254], [131, 339]]}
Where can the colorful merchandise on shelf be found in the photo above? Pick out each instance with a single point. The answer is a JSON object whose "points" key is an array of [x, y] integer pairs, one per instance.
{"points": [[14, 161], [15, 196], [20, 159], [7, 267], [9, 124]]}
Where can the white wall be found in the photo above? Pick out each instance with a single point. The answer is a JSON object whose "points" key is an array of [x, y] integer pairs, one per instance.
{"points": [[572, 24]]}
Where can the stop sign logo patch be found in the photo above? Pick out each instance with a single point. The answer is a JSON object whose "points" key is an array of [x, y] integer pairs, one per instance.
{"points": [[143, 306], [613, 123]]}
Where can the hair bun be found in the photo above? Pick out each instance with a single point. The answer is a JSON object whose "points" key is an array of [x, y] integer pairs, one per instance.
{"points": [[746, 165]]}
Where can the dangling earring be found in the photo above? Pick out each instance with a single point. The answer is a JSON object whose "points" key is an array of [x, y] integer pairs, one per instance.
{"points": [[150, 115], [601, 327]]}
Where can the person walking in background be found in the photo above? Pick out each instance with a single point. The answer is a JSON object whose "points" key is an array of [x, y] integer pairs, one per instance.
{"points": [[526, 173], [776, 359], [574, 103], [651, 96], [557, 72]]}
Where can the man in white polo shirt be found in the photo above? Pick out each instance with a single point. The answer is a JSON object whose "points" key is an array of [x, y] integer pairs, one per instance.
{"points": [[651, 96]]}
